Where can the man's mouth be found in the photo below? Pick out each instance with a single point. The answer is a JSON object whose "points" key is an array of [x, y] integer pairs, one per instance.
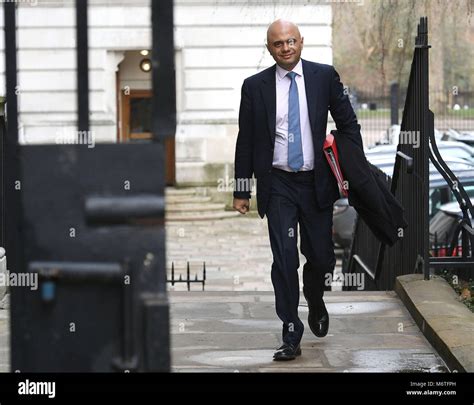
{"points": [[287, 56]]}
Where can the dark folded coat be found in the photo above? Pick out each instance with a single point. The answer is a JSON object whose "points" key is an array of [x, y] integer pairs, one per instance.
{"points": [[368, 191]]}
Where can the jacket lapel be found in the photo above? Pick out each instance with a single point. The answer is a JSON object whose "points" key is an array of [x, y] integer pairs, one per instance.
{"points": [[268, 90], [311, 87]]}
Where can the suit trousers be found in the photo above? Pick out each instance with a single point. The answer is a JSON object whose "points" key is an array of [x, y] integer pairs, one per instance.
{"points": [[293, 202]]}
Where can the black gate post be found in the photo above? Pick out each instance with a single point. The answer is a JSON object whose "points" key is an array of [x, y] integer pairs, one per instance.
{"points": [[82, 62], [12, 185], [163, 71], [91, 229]]}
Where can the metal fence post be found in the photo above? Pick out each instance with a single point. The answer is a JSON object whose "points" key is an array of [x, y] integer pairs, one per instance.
{"points": [[82, 60], [394, 102]]}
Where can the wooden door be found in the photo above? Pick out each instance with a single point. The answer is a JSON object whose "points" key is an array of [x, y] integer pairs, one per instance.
{"points": [[136, 126]]}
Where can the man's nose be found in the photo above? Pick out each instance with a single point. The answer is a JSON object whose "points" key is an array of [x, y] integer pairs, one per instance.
{"points": [[286, 47]]}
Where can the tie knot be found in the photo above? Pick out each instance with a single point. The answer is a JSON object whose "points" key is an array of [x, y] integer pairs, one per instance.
{"points": [[291, 75]]}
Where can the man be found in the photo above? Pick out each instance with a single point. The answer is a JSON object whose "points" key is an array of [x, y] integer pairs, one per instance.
{"points": [[282, 127]]}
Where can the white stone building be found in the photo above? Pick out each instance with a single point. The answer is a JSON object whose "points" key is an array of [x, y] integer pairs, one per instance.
{"points": [[218, 43]]}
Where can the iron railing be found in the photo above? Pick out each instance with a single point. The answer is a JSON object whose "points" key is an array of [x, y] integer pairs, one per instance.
{"points": [[410, 184], [188, 280]]}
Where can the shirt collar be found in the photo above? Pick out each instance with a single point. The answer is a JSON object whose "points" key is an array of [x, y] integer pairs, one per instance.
{"points": [[281, 73]]}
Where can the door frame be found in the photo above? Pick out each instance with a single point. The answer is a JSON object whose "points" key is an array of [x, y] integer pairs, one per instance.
{"points": [[123, 123]]}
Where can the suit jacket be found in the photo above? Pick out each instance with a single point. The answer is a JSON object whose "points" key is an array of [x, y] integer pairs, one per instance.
{"points": [[369, 191], [256, 137]]}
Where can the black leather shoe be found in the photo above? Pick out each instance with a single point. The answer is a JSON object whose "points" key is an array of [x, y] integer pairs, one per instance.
{"points": [[287, 352], [318, 319]]}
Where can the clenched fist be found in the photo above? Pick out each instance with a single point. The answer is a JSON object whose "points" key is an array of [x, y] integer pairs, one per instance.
{"points": [[242, 205]]}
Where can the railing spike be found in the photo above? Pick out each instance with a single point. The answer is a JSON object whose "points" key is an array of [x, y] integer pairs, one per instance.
{"points": [[188, 277], [172, 273]]}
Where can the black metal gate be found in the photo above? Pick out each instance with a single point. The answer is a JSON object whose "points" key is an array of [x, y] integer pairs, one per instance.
{"points": [[89, 223]]}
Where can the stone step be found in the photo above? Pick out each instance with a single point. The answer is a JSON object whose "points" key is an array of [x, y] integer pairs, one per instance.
{"points": [[184, 199], [200, 216], [172, 191], [198, 207]]}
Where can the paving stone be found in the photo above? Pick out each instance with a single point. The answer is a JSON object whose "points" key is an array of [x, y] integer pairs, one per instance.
{"points": [[225, 340], [192, 310], [385, 360], [179, 326], [377, 324], [333, 339]]}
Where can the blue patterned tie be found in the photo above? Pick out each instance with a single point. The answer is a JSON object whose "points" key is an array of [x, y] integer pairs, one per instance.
{"points": [[295, 150]]}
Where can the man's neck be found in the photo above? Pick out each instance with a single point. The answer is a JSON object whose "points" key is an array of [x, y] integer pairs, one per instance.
{"points": [[291, 68]]}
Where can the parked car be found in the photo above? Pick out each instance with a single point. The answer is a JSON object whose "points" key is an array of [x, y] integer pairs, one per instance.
{"points": [[344, 215], [443, 227], [458, 156], [447, 149], [461, 136], [386, 163]]}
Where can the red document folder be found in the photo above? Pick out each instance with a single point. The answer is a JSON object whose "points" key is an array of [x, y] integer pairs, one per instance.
{"points": [[330, 151]]}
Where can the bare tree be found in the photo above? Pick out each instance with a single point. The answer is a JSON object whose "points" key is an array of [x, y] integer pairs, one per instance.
{"points": [[373, 41]]}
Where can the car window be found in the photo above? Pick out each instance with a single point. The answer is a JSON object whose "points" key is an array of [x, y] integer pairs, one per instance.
{"points": [[456, 152], [469, 190], [442, 194], [434, 201]]}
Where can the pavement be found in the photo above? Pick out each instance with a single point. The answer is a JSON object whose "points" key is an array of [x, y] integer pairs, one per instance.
{"points": [[232, 325], [236, 251], [239, 331]]}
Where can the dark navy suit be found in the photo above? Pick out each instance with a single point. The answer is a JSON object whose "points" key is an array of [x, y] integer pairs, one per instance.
{"points": [[292, 199]]}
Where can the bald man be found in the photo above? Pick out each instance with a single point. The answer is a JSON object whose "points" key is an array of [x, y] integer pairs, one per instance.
{"points": [[282, 127]]}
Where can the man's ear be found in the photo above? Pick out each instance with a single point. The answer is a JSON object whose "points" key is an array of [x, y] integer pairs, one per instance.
{"points": [[268, 49], [302, 39]]}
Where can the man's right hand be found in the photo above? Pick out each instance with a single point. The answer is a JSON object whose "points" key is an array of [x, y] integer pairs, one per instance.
{"points": [[242, 205]]}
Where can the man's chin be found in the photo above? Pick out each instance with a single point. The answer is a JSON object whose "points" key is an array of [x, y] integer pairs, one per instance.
{"points": [[287, 64]]}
